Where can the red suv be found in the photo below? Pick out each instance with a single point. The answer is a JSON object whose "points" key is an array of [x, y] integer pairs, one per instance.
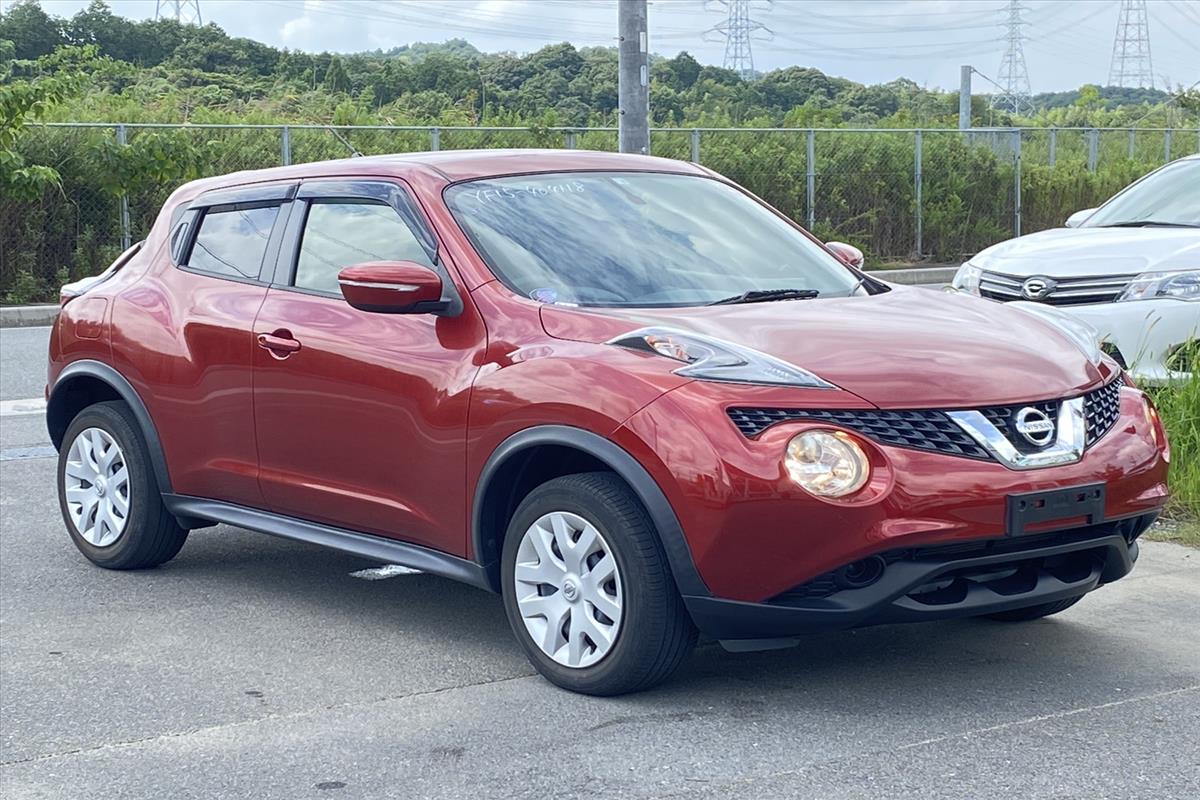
{"points": [[619, 390]]}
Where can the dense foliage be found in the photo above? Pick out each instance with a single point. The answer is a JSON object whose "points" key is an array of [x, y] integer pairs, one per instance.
{"points": [[63, 187]]}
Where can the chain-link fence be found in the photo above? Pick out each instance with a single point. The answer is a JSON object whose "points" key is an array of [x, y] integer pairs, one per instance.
{"points": [[900, 195]]}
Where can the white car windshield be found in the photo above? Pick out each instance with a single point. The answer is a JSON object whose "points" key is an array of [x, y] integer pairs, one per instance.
{"points": [[1169, 197], [640, 239]]}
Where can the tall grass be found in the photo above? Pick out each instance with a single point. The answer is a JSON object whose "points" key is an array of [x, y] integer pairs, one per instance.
{"points": [[1179, 405]]}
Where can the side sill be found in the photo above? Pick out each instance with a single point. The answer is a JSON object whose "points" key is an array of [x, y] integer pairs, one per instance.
{"points": [[376, 548]]}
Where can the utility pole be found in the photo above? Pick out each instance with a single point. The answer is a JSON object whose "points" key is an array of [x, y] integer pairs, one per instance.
{"points": [[964, 97], [633, 77], [1014, 75], [1131, 65]]}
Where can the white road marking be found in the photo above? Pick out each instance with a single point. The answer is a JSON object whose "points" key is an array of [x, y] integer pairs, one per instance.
{"points": [[382, 573], [22, 408]]}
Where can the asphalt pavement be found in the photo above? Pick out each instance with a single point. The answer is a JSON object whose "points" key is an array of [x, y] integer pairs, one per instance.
{"points": [[251, 667]]}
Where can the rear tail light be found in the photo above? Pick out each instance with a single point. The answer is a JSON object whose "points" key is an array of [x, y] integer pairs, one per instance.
{"points": [[70, 291]]}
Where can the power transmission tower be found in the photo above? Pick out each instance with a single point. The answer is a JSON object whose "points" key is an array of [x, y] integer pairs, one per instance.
{"points": [[1014, 75], [185, 12], [737, 30], [1131, 65]]}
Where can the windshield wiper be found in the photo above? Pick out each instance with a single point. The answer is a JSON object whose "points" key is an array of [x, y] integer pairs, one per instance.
{"points": [[767, 295], [1149, 223]]}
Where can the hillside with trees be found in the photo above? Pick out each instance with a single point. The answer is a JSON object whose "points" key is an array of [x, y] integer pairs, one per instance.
{"points": [[63, 189]]}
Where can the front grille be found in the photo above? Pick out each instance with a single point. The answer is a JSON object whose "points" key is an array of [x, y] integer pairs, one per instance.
{"points": [[932, 430], [918, 430], [1063, 291], [1101, 409]]}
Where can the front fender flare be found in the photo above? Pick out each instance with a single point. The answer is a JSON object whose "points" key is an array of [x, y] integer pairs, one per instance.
{"points": [[679, 554]]}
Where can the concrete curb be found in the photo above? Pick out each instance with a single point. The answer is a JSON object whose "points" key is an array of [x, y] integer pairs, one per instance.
{"points": [[914, 277], [27, 316]]}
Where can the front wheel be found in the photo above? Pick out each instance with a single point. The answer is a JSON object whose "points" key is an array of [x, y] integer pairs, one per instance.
{"points": [[588, 590], [109, 497]]}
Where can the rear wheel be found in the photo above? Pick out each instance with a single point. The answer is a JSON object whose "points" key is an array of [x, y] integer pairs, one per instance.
{"points": [[108, 495], [1035, 612], [587, 588]]}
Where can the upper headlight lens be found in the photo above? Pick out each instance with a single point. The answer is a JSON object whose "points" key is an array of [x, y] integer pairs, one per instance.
{"points": [[706, 358], [827, 463], [967, 278], [1182, 284]]}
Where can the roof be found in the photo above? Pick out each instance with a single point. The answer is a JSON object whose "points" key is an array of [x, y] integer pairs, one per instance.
{"points": [[450, 166]]}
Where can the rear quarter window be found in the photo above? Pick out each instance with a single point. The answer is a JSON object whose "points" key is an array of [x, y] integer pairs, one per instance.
{"points": [[232, 241]]}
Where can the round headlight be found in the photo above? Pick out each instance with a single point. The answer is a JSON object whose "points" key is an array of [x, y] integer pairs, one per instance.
{"points": [[827, 463]]}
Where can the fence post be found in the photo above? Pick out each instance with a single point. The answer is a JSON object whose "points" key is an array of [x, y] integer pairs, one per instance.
{"points": [[435, 138], [1132, 134], [917, 186], [1093, 149], [1053, 144], [810, 166], [1017, 182], [285, 146], [570, 140], [695, 146], [126, 232], [1167, 145]]}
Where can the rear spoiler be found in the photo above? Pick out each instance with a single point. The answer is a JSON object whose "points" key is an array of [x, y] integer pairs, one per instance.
{"points": [[70, 291]]}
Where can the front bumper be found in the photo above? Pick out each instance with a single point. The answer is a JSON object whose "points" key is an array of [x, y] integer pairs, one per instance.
{"points": [[1146, 332], [933, 583], [752, 534]]}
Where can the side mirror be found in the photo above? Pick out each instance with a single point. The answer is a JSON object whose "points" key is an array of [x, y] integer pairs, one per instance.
{"points": [[1076, 219], [392, 287], [848, 254]]}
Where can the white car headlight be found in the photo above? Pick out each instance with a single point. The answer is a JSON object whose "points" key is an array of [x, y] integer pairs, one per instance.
{"points": [[1181, 284], [967, 278], [827, 463], [1081, 333], [706, 358]]}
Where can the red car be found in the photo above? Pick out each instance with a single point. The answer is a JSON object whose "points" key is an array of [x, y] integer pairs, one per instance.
{"points": [[619, 390]]}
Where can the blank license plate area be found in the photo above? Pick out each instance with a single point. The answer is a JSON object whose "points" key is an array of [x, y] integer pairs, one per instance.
{"points": [[1032, 512]]}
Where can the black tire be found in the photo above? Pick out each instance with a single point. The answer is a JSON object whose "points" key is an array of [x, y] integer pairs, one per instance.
{"points": [[151, 535], [1035, 612], [656, 632]]}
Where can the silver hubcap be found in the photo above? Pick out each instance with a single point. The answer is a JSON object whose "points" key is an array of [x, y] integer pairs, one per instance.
{"points": [[568, 589], [96, 482]]}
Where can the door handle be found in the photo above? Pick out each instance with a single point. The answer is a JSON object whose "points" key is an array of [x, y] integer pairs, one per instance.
{"points": [[279, 343]]}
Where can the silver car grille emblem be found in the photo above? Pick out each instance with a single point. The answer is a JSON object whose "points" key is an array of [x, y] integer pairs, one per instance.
{"points": [[1035, 426], [1037, 287]]}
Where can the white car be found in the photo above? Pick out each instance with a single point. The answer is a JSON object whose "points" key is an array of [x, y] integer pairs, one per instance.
{"points": [[1130, 268]]}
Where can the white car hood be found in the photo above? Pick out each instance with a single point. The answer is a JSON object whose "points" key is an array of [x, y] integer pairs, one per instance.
{"points": [[1077, 252]]}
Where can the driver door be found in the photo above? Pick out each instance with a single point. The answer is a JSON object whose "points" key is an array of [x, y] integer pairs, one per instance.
{"points": [[361, 417]]}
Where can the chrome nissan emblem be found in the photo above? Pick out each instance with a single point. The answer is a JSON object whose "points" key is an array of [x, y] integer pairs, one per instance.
{"points": [[1035, 426], [1037, 287]]}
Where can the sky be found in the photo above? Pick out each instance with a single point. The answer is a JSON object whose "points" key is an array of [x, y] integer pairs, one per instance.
{"points": [[1067, 42]]}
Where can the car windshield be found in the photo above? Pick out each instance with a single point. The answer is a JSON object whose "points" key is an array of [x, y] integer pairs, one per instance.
{"points": [[1168, 197], [640, 239]]}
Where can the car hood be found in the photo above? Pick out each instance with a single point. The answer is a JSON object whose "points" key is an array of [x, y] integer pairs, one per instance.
{"points": [[906, 348], [1078, 252]]}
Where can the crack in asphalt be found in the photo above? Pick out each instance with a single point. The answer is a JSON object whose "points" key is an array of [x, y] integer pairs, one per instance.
{"points": [[308, 712]]}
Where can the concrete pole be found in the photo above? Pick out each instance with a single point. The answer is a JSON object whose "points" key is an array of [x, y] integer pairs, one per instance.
{"points": [[964, 97], [633, 70]]}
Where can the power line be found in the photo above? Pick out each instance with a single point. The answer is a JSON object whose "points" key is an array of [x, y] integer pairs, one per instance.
{"points": [[185, 12], [738, 28], [1131, 64], [1013, 74]]}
